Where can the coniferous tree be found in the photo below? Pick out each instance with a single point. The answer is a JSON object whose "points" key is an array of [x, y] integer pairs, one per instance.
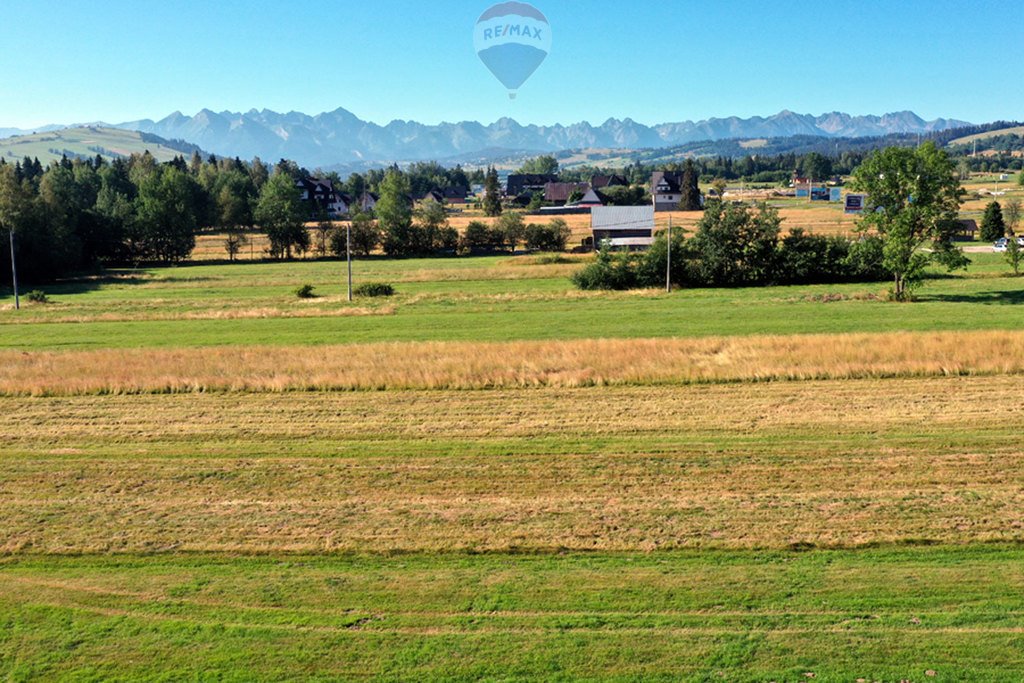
{"points": [[992, 225], [690, 188], [492, 193]]}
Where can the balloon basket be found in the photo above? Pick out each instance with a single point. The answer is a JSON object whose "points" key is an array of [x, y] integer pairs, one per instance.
{"points": [[511, 95]]}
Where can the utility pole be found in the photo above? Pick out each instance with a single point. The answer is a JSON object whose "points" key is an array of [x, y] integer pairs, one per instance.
{"points": [[14, 275], [348, 255], [668, 259]]}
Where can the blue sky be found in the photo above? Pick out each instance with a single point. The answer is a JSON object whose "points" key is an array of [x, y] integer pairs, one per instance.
{"points": [[115, 60]]}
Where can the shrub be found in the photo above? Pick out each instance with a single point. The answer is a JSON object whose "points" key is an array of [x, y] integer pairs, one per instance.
{"points": [[550, 237], [37, 296], [305, 292], [609, 271], [374, 289], [477, 237], [812, 259], [865, 259], [651, 265]]}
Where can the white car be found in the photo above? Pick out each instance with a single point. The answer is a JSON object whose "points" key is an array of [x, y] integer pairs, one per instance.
{"points": [[1003, 242]]}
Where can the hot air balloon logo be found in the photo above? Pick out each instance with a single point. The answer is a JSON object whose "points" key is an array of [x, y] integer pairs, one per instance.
{"points": [[512, 39]]}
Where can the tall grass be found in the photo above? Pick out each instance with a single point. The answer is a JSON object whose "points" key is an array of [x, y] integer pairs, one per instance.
{"points": [[477, 365]]}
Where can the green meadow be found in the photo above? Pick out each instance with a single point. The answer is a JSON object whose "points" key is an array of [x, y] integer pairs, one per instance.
{"points": [[485, 299], [829, 530]]}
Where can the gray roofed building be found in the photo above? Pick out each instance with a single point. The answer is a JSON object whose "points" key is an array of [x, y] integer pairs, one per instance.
{"points": [[630, 226]]}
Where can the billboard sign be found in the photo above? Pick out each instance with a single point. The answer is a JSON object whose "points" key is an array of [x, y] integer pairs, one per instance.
{"points": [[855, 203], [819, 194], [835, 195]]}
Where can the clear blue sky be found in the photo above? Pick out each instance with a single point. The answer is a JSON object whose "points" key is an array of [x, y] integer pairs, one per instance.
{"points": [[118, 60]]}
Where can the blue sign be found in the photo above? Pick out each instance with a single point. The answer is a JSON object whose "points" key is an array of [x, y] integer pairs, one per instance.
{"points": [[512, 39]]}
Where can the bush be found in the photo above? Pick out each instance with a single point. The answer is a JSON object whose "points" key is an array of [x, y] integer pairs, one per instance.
{"points": [[37, 296], [374, 289], [477, 237], [305, 292], [813, 259], [609, 271], [864, 261], [550, 237]]}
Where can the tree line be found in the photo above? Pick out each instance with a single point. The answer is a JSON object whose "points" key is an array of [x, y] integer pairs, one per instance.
{"points": [[79, 214]]}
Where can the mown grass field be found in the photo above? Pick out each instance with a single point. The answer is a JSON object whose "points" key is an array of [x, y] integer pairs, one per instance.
{"points": [[478, 299], [493, 476]]}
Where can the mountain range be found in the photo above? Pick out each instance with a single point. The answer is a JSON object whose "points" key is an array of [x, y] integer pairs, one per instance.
{"points": [[339, 137]]}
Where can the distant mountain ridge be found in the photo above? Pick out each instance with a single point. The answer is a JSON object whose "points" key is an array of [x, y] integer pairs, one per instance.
{"points": [[340, 137]]}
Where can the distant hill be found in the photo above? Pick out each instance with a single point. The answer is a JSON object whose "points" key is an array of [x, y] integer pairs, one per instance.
{"points": [[978, 137], [340, 138], [88, 141]]}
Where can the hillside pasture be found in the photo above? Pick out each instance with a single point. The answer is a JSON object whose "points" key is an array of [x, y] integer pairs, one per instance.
{"points": [[85, 141]]}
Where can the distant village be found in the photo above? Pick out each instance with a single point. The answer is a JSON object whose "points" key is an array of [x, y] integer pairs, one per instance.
{"points": [[621, 226]]}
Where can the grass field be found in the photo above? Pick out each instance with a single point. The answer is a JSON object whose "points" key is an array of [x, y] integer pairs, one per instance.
{"points": [[84, 142], [1015, 130], [910, 614], [494, 476]]}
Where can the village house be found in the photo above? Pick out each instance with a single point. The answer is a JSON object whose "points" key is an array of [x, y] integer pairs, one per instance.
{"points": [[558, 194], [968, 228], [591, 198], [522, 183], [666, 190], [599, 182], [322, 197], [623, 227], [368, 201], [455, 195], [447, 195]]}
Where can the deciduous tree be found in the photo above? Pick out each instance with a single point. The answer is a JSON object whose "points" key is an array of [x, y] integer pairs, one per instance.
{"points": [[281, 213], [913, 200]]}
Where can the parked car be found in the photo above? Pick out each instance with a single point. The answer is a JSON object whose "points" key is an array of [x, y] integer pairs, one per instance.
{"points": [[1003, 242]]}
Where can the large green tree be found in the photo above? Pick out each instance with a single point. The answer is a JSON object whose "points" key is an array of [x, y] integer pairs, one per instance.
{"points": [[512, 229], [913, 201], [281, 213], [166, 212], [735, 246], [816, 166], [546, 165], [394, 213], [17, 215]]}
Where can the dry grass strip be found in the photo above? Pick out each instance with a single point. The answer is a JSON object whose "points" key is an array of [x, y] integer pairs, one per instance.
{"points": [[619, 469], [472, 365]]}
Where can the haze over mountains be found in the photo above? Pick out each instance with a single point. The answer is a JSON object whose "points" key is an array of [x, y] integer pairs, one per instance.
{"points": [[339, 137]]}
